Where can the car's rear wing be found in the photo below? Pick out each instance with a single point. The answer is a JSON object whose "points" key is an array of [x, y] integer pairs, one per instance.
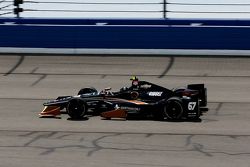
{"points": [[202, 93]]}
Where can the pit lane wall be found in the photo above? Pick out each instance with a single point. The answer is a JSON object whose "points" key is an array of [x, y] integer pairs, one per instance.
{"points": [[124, 36]]}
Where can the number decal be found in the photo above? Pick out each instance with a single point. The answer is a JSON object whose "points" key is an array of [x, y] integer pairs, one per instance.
{"points": [[191, 106]]}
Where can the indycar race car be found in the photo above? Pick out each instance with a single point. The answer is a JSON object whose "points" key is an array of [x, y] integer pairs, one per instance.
{"points": [[142, 99]]}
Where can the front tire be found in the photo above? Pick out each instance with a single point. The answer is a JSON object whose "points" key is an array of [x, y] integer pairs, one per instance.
{"points": [[173, 109], [76, 108]]}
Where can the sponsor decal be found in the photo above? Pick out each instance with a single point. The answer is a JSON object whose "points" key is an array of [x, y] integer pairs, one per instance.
{"points": [[130, 108], [192, 114], [155, 93], [146, 86]]}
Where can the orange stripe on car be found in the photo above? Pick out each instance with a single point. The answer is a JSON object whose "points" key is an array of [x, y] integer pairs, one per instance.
{"points": [[137, 102]]}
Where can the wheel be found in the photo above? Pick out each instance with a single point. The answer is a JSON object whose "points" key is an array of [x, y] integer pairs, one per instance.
{"points": [[134, 95], [90, 90], [173, 109], [76, 108]]}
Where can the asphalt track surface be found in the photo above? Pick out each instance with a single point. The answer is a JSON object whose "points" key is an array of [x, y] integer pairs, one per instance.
{"points": [[221, 138]]}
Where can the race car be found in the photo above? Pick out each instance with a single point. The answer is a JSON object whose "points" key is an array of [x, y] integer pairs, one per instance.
{"points": [[141, 100]]}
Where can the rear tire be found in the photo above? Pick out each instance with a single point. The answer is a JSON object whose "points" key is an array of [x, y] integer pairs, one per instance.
{"points": [[173, 109], [76, 108]]}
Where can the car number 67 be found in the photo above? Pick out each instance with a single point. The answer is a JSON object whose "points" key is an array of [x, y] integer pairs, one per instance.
{"points": [[191, 105]]}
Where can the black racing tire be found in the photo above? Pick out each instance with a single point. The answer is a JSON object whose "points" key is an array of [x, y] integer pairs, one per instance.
{"points": [[134, 95], [173, 109], [76, 108], [87, 91]]}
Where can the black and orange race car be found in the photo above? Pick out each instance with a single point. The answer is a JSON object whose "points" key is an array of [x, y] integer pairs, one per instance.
{"points": [[141, 100]]}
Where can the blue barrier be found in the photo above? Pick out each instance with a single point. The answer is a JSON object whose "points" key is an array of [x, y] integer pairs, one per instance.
{"points": [[205, 22], [135, 34]]}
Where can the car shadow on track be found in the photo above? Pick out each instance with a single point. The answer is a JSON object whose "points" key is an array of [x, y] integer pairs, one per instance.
{"points": [[150, 119], [79, 119], [87, 117]]}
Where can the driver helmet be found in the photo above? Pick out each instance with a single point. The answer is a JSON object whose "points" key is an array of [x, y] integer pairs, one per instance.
{"points": [[135, 81]]}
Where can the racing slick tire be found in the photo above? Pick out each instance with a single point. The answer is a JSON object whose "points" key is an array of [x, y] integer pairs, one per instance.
{"points": [[173, 109], [134, 95], [87, 91], [76, 108]]}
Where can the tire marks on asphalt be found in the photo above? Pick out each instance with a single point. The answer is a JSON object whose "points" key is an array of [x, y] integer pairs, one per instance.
{"points": [[169, 66], [19, 62]]}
